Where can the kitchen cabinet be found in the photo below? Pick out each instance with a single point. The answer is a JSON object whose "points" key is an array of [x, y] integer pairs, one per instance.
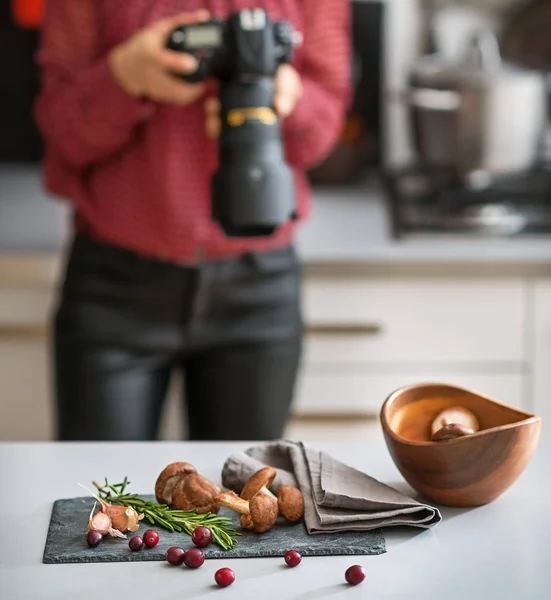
{"points": [[26, 411], [431, 320], [366, 336], [353, 393], [25, 400], [542, 353]]}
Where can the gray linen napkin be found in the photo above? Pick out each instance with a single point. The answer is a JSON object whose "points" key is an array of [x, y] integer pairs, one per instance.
{"points": [[336, 496]]}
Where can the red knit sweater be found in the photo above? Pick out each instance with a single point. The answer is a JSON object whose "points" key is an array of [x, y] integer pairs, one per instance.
{"points": [[138, 173]]}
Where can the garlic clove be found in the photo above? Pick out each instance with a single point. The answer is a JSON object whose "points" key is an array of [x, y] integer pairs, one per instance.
{"points": [[134, 519], [99, 522], [123, 518]]}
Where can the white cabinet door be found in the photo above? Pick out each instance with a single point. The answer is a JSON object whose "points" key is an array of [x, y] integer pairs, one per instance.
{"points": [[542, 355], [414, 320], [354, 392], [26, 413]]}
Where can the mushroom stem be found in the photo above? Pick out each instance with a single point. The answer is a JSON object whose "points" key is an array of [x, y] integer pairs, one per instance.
{"points": [[233, 501], [264, 490]]}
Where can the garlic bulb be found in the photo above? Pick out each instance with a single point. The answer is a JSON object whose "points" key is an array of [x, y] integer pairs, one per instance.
{"points": [[121, 518]]}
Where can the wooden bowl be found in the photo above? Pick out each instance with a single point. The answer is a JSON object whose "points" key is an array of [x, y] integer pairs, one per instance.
{"points": [[467, 471]]}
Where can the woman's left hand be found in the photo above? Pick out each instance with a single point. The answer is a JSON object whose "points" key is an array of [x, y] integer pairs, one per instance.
{"points": [[288, 90]]}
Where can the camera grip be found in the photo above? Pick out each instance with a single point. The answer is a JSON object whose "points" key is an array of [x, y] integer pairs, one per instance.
{"points": [[202, 41]]}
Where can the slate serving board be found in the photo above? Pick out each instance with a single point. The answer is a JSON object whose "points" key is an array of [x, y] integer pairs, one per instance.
{"points": [[66, 540]]}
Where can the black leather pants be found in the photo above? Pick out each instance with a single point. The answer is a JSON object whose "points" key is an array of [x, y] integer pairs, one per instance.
{"points": [[124, 322]]}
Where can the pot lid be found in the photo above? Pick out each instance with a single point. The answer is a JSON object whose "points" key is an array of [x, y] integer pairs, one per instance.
{"points": [[480, 64]]}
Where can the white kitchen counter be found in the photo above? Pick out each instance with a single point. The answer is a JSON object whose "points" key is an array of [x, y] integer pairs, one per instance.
{"points": [[499, 551], [350, 228]]}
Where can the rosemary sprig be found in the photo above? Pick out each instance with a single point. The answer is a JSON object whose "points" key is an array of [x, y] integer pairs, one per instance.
{"points": [[172, 519]]}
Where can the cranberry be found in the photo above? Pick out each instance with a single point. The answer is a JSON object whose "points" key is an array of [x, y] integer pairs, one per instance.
{"points": [[136, 543], [150, 538], [93, 538], [224, 577], [175, 555], [293, 558], [355, 574], [202, 536], [194, 558]]}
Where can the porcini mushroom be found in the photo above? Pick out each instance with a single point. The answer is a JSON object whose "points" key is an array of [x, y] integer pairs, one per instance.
{"points": [[259, 480], [168, 478], [291, 503], [195, 492], [456, 415], [451, 432], [259, 513], [264, 512]]}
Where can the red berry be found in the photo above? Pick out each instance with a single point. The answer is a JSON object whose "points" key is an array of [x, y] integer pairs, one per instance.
{"points": [[135, 543], [175, 555], [224, 577], [355, 574], [194, 558], [201, 536], [93, 538], [293, 558], [150, 538]]}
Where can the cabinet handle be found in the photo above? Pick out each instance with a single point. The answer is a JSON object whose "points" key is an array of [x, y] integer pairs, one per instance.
{"points": [[22, 331], [350, 329]]}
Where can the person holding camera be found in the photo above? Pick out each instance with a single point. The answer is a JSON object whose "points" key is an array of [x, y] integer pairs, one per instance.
{"points": [[152, 283]]}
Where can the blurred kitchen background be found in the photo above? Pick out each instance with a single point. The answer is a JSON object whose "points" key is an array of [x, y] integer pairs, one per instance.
{"points": [[428, 256]]}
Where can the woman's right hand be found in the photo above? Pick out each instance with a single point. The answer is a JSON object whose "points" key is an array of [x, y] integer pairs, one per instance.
{"points": [[142, 64]]}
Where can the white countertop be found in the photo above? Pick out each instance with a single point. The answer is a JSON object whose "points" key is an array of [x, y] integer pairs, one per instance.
{"points": [[348, 226], [499, 551]]}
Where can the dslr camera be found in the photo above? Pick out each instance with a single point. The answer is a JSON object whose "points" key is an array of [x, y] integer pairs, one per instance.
{"points": [[252, 193]]}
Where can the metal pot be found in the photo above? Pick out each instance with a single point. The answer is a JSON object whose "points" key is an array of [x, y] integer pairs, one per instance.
{"points": [[477, 117]]}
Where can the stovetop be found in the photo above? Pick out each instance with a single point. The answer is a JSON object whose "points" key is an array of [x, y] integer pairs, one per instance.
{"points": [[429, 202]]}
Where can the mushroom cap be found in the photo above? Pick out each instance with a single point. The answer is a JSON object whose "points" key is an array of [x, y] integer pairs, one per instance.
{"points": [[291, 503], [451, 431], [195, 492], [263, 478], [264, 512], [455, 414], [167, 480]]}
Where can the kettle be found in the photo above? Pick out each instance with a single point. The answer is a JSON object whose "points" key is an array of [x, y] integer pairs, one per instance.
{"points": [[476, 117]]}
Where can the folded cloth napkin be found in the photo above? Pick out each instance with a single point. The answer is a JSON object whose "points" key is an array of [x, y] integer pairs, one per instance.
{"points": [[336, 496]]}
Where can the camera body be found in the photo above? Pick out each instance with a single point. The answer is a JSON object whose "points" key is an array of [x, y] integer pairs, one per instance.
{"points": [[253, 191]]}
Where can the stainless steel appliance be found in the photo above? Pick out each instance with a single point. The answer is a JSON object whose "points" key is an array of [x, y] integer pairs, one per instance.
{"points": [[477, 116], [477, 127], [429, 202], [387, 39]]}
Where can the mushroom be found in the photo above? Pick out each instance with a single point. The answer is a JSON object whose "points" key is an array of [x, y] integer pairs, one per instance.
{"points": [[168, 479], [290, 502], [195, 492], [451, 431], [458, 415], [259, 513], [259, 481]]}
